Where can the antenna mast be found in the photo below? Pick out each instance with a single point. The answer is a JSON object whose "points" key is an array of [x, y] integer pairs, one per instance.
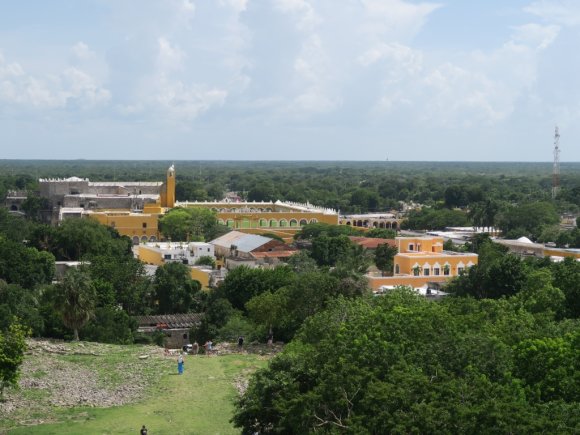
{"points": [[556, 169]]}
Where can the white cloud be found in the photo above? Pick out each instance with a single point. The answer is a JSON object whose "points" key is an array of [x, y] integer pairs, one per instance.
{"points": [[302, 10], [82, 52], [564, 12], [169, 57], [536, 35], [187, 102], [71, 86], [396, 19]]}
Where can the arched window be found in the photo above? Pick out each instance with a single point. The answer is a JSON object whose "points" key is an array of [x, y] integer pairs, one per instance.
{"points": [[263, 222], [230, 223], [144, 239], [283, 223], [313, 221], [152, 239], [136, 240], [293, 223], [303, 222], [273, 223]]}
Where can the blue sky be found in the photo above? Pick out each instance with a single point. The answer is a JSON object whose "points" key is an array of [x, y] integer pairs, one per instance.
{"points": [[289, 79]]}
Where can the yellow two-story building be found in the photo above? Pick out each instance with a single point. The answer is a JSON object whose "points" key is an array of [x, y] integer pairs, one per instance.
{"points": [[421, 260]]}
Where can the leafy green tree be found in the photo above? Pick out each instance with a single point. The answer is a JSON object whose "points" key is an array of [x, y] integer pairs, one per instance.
{"points": [[381, 233], [527, 219], [216, 315], [400, 364], [24, 266], [110, 325], [33, 205], [550, 367], [12, 347], [327, 251], [384, 258], [435, 219], [76, 299], [540, 296], [186, 190], [175, 291], [79, 239], [205, 260], [312, 231], [302, 262], [364, 200], [268, 309], [567, 278], [126, 278], [181, 224], [22, 304], [243, 283], [263, 191], [13, 228]]}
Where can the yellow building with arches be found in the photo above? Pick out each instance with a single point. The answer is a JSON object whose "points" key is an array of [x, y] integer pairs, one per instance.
{"points": [[135, 213]]}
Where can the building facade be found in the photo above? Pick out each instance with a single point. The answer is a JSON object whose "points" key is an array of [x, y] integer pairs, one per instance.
{"points": [[134, 208], [422, 260]]}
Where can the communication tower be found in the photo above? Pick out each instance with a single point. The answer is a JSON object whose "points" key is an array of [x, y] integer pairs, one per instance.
{"points": [[556, 168]]}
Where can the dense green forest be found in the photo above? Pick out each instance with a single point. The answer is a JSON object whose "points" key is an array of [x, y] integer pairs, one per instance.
{"points": [[345, 186], [500, 355], [514, 197]]}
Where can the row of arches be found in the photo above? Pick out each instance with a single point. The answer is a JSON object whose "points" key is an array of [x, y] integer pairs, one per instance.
{"points": [[143, 239], [394, 225], [266, 223], [242, 210]]}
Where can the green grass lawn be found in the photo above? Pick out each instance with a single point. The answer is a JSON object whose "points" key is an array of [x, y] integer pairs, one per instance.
{"points": [[198, 402]]}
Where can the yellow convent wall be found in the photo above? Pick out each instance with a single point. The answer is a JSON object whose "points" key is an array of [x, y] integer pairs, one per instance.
{"points": [[200, 275], [140, 227], [150, 256], [561, 253]]}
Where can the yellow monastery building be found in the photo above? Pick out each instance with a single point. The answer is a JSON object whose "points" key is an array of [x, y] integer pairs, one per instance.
{"points": [[134, 208], [421, 260]]}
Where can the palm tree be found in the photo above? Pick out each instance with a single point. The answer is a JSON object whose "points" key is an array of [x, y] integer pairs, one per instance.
{"points": [[77, 299]]}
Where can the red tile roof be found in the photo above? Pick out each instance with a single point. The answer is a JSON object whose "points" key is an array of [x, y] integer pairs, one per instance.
{"points": [[273, 254], [371, 243]]}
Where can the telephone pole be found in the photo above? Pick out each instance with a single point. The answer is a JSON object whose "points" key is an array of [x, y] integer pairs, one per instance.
{"points": [[556, 168]]}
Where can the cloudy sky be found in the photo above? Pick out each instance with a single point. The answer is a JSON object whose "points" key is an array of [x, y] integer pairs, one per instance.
{"points": [[289, 79]]}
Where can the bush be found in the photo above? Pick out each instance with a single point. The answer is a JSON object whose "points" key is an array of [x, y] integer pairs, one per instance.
{"points": [[141, 338], [110, 325], [238, 325], [158, 338]]}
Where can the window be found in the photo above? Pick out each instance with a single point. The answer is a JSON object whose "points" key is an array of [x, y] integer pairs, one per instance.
{"points": [[460, 270], [397, 269], [144, 224], [416, 271], [167, 256], [446, 270], [426, 271], [436, 271], [411, 246]]}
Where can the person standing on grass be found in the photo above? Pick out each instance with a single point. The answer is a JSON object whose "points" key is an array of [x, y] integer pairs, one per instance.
{"points": [[208, 347], [195, 348], [143, 430], [180, 364], [240, 343]]}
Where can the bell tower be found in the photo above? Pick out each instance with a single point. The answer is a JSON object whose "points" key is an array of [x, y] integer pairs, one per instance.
{"points": [[170, 187]]}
